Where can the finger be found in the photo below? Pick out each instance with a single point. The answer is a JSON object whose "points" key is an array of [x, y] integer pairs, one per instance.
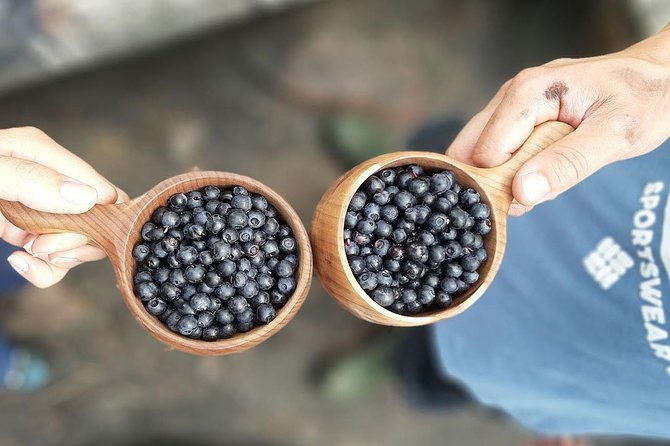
{"points": [[121, 196], [462, 146], [73, 257], [535, 96], [36, 271], [31, 144], [566, 162], [42, 188], [46, 244], [13, 235]]}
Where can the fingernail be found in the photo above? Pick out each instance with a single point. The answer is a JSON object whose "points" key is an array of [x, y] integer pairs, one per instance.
{"points": [[535, 186], [63, 260], [19, 264], [77, 193], [28, 247]]}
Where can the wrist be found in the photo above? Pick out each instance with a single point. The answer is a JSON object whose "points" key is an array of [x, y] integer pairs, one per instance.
{"points": [[655, 48]]}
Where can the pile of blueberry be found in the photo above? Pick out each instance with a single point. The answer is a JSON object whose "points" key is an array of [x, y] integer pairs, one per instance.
{"points": [[214, 262], [414, 239]]}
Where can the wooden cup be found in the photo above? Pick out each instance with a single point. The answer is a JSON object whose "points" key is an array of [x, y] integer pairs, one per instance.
{"points": [[116, 229], [495, 186]]}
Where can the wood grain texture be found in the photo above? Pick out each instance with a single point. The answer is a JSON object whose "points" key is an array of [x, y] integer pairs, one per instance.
{"points": [[116, 229], [494, 185]]}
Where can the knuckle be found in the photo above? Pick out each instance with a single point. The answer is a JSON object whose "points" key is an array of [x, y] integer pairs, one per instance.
{"points": [[25, 169], [570, 165]]}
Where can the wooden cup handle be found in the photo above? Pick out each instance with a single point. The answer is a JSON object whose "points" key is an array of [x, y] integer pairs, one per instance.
{"points": [[542, 137], [105, 224]]}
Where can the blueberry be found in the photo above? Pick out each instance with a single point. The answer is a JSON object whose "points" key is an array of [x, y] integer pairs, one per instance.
{"points": [[239, 279], [237, 305], [406, 226], [442, 205], [227, 331], [194, 231], [381, 247], [436, 254], [438, 221], [392, 265], [384, 229], [396, 252], [358, 201], [146, 290], [242, 202], [351, 248], [413, 270], [382, 197], [158, 251], [265, 314], [426, 295], [387, 176], [452, 269], [372, 211], [404, 200], [140, 252], [418, 186], [448, 234], [173, 320], [414, 307], [154, 235], [480, 211], [416, 251], [449, 285], [365, 250], [456, 188], [383, 296], [470, 277], [243, 327], [286, 285], [169, 292], [204, 288], [398, 236], [482, 227], [469, 197], [366, 226], [178, 202], [458, 218], [215, 224], [384, 278], [157, 215], [373, 184], [452, 249], [374, 262], [277, 299], [177, 277], [212, 205], [432, 280], [397, 307], [361, 239], [212, 279], [224, 316], [443, 299], [481, 255], [478, 242], [211, 192], [389, 213], [415, 170], [237, 219], [441, 182], [185, 218], [428, 199], [259, 237], [221, 250], [142, 276], [285, 269], [470, 263], [188, 291], [230, 235], [200, 302], [259, 202], [411, 214], [214, 304], [262, 297], [408, 295], [271, 248], [194, 273], [351, 219], [466, 239], [194, 200], [402, 178], [210, 333], [240, 190], [152, 262], [245, 317], [287, 245], [270, 227], [250, 289], [256, 219], [187, 324], [451, 196], [469, 222]]}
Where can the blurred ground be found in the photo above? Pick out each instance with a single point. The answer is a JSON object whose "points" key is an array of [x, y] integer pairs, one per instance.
{"points": [[250, 100]]}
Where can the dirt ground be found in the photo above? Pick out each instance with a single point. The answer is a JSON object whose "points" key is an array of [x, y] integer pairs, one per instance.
{"points": [[249, 100]]}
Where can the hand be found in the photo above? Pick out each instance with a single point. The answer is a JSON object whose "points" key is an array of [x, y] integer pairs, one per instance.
{"points": [[41, 174], [617, 103]]}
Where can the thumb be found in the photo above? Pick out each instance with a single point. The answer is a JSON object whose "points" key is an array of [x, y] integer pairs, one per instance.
{"points": [[42, 188], [565, 163]]}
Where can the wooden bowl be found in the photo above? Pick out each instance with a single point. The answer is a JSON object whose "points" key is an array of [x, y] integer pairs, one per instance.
{"points": [[116, 229], [495, 186]]}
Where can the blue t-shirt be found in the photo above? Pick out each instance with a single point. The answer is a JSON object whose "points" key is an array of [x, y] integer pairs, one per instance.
{"points": [[572, 336]]}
